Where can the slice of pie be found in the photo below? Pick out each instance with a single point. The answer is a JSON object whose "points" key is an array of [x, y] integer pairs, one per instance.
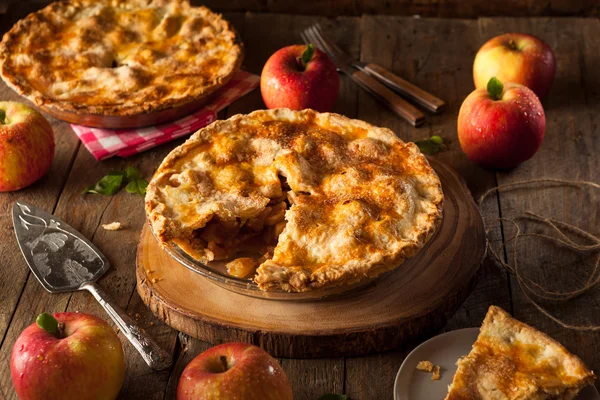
{"points": [[513, 361], [327, 199], [117, 57]]}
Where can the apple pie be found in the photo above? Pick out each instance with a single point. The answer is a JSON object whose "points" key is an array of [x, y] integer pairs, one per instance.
{"points": [[329, 200], [117, 57], [513, 361]]}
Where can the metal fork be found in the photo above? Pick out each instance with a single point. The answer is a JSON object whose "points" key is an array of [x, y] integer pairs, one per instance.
{"points": [[393, 81], [394, 102]]}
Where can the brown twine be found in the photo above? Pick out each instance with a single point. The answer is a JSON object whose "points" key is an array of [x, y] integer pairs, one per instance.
{"points": [[528, 286]]}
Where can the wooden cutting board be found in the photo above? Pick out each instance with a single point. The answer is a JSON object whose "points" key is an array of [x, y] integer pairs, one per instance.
{"points": [[395, 311]]}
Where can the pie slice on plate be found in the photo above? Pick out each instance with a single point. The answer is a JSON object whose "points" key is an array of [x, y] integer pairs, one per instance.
{"points": [[513, 361], [327, 200]]}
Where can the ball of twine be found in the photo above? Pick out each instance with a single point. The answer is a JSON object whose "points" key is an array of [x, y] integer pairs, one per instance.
{"points": [[530, 288]]}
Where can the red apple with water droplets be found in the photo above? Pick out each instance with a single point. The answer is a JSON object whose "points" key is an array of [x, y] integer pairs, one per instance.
{"points": [[234, 371], [67, 356], [502, 125], [516, 57], [299, 77], [26, 146]]}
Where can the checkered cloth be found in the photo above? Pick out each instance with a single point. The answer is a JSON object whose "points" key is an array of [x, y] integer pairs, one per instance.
{"points": [[105, 143]]}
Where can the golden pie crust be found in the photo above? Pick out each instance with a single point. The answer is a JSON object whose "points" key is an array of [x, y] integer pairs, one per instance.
{"points": [[513, 361], [119, 57], [360, 200]]}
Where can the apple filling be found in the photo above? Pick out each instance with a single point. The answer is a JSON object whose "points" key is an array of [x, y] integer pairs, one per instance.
{"points": [[222, 239]]}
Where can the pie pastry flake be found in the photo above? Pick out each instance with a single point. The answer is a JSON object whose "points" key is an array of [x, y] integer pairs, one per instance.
{"points": [[119, 57], [327, 200], [513, 361]]}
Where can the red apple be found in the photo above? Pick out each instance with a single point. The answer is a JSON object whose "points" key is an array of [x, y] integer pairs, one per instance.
{"points": [[70, 356], [501, 126], [26, 146], [234, 371], [516, 57], [295, 78]]}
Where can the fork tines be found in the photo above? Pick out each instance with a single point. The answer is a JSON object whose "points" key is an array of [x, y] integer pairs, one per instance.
{"points": [[314, 34]]}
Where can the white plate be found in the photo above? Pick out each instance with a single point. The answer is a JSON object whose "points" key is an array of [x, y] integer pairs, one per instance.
{"points": [[443, 350]]}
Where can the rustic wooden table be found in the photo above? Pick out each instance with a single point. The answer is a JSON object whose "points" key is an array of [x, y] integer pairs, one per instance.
{"points": [[437, 54]]}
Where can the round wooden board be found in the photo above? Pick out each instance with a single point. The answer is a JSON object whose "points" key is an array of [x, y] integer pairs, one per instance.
{"points": [[411, 302]]}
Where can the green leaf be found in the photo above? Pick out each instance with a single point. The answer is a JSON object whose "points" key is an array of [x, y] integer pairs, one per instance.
{"points": [[137, 187], [132, 174], [48, 323], [111, 183], [331, 396], [108, 185], [307, 55], [433, 145], [437, 139], [495, 88]]}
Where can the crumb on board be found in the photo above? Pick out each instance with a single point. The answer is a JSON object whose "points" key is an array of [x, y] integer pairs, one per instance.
{"points": [[113, 226], [436, 373], [425, 366]]}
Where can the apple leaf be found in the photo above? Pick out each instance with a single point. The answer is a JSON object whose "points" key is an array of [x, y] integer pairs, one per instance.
{"points": [[132, 174], [307, 55], [430, 146], [112, 183], [137, 186], [48, 323], [495, 88], [331, 396], [108, 185]]}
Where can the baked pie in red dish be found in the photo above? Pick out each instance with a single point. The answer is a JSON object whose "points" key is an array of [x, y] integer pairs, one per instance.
{"points": [[118, 57], [326, 199]]}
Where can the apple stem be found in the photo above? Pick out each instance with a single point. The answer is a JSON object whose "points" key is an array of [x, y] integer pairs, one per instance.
{"points": [[223, 360], [306, 56], [48, 323], [495, 88], [2, 117]]}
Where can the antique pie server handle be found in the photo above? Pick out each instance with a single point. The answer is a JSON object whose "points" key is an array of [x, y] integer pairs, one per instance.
{"points": [[413, 92], [155, 357]]}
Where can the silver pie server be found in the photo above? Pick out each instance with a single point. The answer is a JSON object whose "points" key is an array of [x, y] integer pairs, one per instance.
{"points": [[63, 260]]}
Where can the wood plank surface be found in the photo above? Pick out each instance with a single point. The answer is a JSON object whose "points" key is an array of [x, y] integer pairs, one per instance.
{"points": [[568, 152], [437, 55]]}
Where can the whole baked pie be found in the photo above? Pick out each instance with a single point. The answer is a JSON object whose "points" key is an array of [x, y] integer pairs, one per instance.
{"points": [[119, 57], [328, 200]]}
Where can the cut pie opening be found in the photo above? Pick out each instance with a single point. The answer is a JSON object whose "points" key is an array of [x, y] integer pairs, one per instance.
{"points": [[255, 238]]}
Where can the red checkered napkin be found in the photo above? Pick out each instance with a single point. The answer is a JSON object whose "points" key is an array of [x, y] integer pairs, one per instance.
{"points": [[105, 143]]}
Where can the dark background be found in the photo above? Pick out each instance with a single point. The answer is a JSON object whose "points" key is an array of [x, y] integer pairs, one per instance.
{"points": [[425, 8]]}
